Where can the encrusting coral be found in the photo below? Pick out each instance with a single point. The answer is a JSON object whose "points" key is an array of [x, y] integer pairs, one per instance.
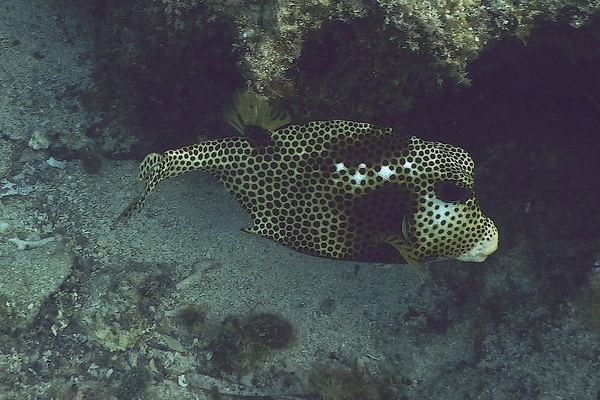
{"points": [[450, 33]]}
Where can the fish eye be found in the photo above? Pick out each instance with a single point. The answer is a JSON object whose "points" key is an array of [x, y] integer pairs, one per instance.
{"points": [[449, 192]]}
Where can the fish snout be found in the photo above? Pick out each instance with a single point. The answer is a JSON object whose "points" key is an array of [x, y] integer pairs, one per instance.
{"points": [[484, 247]]}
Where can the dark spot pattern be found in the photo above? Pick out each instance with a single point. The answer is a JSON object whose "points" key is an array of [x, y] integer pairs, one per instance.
{"points": [[339, 189]]}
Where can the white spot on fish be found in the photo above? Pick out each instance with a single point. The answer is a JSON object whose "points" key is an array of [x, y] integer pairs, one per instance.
{"points": [[340, 167], [358, 177], [385, 172]]}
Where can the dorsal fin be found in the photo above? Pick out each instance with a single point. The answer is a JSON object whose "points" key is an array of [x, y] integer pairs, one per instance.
{"points": [[251, 110]]}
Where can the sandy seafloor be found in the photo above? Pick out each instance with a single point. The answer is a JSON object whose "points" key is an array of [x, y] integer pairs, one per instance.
{"points": [[91, 313]]}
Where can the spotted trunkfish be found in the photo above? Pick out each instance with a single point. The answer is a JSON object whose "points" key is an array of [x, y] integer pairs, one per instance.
{"points": [[339, 189]]}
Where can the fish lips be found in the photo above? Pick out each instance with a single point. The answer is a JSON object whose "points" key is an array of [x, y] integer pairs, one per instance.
{"points": [[484, 248]]}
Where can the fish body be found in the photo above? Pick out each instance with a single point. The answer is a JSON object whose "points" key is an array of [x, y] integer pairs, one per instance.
{"points": [[345, 190]]}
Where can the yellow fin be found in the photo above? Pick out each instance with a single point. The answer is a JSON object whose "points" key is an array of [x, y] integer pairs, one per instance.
{"points": [[401, 247], [252, 109]]}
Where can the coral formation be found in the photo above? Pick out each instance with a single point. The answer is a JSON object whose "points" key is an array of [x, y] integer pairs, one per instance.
{"points": [[269, 330], [245, 342], [162, 61], [192, 317], [353, 382], [270, 36], [133, 384]]}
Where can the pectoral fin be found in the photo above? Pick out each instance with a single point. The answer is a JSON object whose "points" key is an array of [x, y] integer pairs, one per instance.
{"points": [[402, 248]]}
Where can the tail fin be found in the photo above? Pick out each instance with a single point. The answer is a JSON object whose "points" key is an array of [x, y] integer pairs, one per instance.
{"points": [[153, 169], [211, 155]]}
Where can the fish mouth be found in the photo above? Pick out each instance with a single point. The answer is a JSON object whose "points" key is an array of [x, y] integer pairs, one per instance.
{"points": [[483, 248]]}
